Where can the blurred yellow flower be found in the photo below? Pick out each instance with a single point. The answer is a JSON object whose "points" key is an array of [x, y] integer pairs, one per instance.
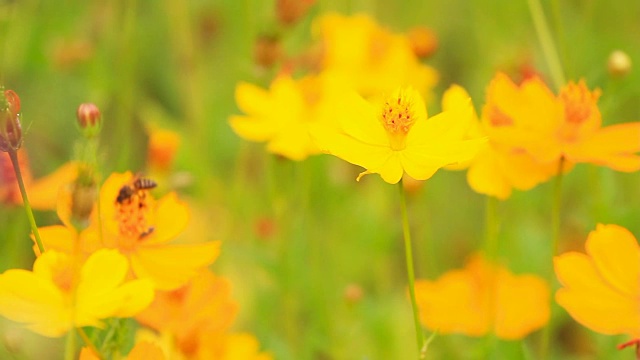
{"points": [[601, 289], [371, 58], [61, 294], [395, 136], [281, 116], [141, 229], [481, 298], [567, 126]]}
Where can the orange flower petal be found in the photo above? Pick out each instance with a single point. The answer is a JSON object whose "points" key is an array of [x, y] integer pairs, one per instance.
{"points": [[616, 255], [43, 193], [592, 302], [614, 146]]}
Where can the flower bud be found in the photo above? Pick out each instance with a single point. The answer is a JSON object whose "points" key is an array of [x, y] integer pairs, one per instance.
{"points": [[423, 41], [290, 11], [89, 119], [619, 63], [10, 128]]}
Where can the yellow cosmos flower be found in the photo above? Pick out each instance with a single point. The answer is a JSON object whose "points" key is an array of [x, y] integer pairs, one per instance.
{"points": [[282, 115], [371, 58], [498, 168], [482, 298], [60, 294], [141, 229], [601, 289], [395, 136], [567, 126]]}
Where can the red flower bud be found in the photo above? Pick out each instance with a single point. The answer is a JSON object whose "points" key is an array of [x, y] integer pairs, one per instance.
{"points": [[10, 128], [89, 119]]}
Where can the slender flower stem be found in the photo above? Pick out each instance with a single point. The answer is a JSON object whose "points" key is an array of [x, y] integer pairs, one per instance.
{"points": [[491, 227], [546, 42], [87, 342], [70, 346], [13, 154], [410, 274], [555, 239]]}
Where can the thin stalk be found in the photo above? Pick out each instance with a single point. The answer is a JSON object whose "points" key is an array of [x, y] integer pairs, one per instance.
{"points": [[546, 42], [555, 239], [410, 274], [13, 154], [88, 343], [70, 346], [491, 227]]}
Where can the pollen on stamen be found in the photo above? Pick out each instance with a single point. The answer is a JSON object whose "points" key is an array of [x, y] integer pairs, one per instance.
{"points": [[397, 117], [132, 215], [579, 102]]}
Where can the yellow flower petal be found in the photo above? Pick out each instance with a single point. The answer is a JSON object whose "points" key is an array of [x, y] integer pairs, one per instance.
{"points": [[171, 266], [485, 175], [31, 299], [614, 146], [56, 237], [171, 218]]}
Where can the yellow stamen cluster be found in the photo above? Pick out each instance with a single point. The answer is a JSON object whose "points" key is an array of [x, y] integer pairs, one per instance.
{"points": [[397, 117]]}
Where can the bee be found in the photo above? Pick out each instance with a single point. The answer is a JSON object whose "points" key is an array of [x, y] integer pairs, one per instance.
{"points": [[139, 184]]}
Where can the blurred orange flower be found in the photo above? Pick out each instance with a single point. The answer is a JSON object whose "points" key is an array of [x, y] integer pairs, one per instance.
{"points": [[61, 293], [482, 298], [281, 116], [371, 58], [196, 319], [43, 192], [552, 127], [498, 168], [395, 136], [141, 229], [162, 149], [601, 289], [142, 350]]}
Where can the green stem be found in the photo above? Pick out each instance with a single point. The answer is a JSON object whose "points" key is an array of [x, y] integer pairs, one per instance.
{"points": [[13, 154], [491, 228], [70, 346], [411, 277], [555, 231], [546, 42], [88, 343]]}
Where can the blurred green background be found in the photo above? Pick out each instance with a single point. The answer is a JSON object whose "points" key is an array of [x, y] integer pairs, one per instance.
{"points": [[298, 238]]}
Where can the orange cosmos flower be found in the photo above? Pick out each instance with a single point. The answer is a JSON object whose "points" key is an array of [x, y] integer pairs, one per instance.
{"points": [[141, 229], [282, 115], [196, 319], [553, 127], [371, 58], [61, 294], [43, 192], [601, 289], [498, 168], [143, 350], [482, 298], [396, 136], [162, 149]]}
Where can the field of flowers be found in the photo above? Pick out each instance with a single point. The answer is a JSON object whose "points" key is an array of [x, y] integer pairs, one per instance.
{"points": [[319, 179]]}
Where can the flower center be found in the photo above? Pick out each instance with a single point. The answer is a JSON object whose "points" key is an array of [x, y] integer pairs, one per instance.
{"points": [[133, 211], [579, 102], [397, 117]]}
